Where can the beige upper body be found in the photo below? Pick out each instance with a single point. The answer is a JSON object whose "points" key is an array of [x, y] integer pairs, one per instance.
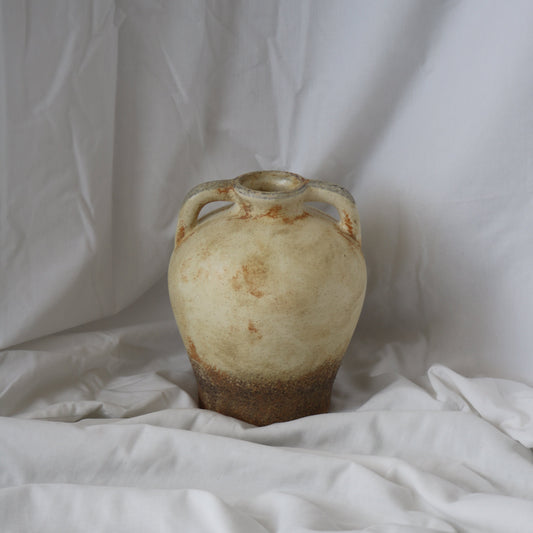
{"points": [[268, 286]]}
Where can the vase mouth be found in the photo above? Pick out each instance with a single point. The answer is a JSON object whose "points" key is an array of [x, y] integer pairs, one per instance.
{"points": [[270, 184]]}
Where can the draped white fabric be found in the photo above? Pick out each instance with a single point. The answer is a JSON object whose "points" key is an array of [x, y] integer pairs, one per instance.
{"points": [[110, 111]]}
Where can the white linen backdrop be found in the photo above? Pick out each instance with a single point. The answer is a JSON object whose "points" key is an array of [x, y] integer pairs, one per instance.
{"points": [[110, 111]]}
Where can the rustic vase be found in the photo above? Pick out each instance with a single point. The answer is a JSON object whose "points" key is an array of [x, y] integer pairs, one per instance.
{"points": [[267, 292]]}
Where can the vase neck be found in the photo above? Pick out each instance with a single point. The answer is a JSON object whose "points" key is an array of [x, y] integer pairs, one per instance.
{"points": [[271, 192]]}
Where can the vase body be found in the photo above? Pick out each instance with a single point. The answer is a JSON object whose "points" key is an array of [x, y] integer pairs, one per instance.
{"points": [[267, 292]]}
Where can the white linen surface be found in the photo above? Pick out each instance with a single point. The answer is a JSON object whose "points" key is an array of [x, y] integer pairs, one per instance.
{"points": [[111, 111]]}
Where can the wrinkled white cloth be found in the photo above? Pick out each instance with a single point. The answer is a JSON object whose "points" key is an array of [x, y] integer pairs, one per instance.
{"points": [[392, 465], [100, 431], [110, 111]]}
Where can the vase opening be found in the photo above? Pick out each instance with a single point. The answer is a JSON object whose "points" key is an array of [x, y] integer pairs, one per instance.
{"points": [[270, 183]]}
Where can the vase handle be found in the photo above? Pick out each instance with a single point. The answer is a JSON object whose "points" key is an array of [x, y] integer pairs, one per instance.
{"points": [[342, 201], [198, 197]]}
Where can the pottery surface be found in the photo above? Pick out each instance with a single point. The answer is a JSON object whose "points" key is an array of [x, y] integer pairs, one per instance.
{"points": [[266, 292]]}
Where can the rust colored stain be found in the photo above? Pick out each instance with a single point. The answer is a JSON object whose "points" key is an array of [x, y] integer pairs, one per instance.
{"points": [[354, 243], [191, 350], [246, 208], [263, 401], [254, 275], [251, 277], [225, 190], [201, 272], [347, 221], [180, 234], [184, 269], [292, 220], [349, 235], [273, 212], [236, 283], [252, 328]]}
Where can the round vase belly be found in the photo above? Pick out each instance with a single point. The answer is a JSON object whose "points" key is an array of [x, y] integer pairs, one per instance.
{"points": [[267, 292]]}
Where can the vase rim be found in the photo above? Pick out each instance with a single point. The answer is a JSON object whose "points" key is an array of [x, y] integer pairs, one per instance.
{"points": [[270, 184]]}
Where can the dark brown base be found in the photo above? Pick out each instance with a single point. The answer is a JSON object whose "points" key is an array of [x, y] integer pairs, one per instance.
{"points": [[262, 402]]}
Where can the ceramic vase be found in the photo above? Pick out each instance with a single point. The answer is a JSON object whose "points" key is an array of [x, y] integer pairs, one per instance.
{"points": [[267, 292]]}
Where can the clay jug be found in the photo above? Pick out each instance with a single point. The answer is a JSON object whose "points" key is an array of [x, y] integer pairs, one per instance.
{"points": [[266, 292]]}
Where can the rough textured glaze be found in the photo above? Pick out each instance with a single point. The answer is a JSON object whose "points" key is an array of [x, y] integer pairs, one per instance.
{"points": [[266, 293]]}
